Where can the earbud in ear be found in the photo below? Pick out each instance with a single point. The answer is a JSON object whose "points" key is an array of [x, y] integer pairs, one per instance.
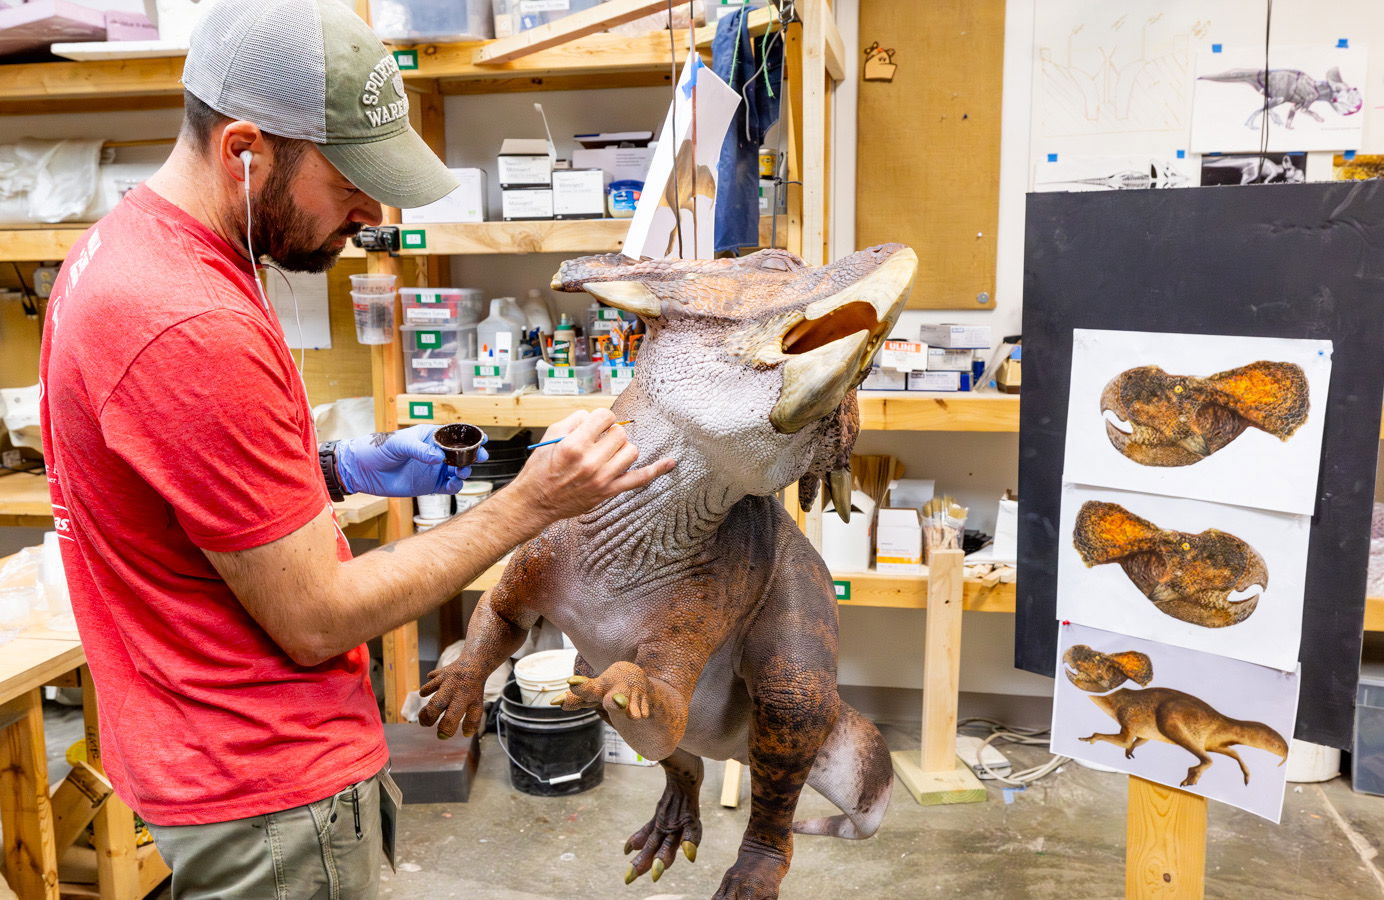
{"points": [[245, 157]]}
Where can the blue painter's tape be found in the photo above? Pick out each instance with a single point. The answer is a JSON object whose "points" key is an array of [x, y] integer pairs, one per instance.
{"points": [[697, 66], [1343, 44], [1052, 157], [1215, 48], [1182, 154], [1349, 154]]}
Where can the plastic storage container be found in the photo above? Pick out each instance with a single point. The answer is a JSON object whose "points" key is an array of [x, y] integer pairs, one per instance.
{"points": [[514, 16], [1367, 756], [569, 379], [409, 21], [495, 376], [432, 362], [440, 306], [615, 379]]}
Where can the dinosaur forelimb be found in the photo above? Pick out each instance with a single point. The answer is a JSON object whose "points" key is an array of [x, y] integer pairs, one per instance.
{"points": [[457, 691], [650, 714]]}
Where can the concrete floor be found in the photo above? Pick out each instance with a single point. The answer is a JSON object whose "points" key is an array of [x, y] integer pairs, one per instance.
{"points": [[1062, 838]]}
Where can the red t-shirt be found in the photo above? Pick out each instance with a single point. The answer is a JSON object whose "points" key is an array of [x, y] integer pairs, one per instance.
{"points": [[174, 421]]}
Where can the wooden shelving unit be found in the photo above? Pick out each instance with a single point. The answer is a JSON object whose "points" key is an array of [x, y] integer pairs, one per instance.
{"points": [[879, 410]]}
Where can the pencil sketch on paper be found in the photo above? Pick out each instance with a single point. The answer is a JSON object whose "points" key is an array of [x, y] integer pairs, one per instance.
{"points": [[1130, 73]]}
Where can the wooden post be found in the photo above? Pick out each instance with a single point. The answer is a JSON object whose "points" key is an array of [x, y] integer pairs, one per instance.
{"points": [[30, 858], [117, 866], [730, 783], [936, 776], [1165, 843]]}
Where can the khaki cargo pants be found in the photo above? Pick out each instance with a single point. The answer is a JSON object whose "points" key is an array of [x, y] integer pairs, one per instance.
{"points": [[310, 852]]}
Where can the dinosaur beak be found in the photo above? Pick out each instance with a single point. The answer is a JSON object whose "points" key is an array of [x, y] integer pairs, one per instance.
{"points": [[829, 350], [1117, 425]]}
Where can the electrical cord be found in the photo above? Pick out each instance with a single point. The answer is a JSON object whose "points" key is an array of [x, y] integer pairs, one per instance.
{"points": [[999, 731]]}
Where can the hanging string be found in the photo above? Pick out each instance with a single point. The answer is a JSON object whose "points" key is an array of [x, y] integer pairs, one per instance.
{"points": [[673, 126], [1264, 115], [694, 60]]}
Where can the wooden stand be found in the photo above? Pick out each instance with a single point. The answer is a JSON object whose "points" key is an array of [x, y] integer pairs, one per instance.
{"points": [[938, 776], [1165, 843]]}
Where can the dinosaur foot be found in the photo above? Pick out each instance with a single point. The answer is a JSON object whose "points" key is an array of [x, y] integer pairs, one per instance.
{"points": [[676, 823], [1193, 776], [753, 877], [622, 689]]}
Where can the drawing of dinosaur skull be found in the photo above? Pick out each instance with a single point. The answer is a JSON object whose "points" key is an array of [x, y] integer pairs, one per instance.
{"points": [[1201, 578], [1157, 419], [756, 359], [1345, 99], [1099, 672]]}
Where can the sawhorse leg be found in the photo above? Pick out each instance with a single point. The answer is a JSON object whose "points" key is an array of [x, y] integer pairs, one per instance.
{"points": [[26, 815]]}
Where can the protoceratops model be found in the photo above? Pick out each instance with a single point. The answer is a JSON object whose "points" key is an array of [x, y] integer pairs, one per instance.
{"points": [[706, 623]]}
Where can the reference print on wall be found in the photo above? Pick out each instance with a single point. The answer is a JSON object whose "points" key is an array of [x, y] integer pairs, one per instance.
{"points": [[1213, 726], [1206, 576], [1357, 167], [1312, 96], [1111, 173], [1226, 419], [1253, 168]]}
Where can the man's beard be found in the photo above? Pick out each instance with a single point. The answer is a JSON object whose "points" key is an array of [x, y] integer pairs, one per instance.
{"points": [[285, 234]]}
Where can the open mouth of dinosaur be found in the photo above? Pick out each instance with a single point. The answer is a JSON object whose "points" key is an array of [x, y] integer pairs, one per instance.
{"points": [[1113, 423], [844, 321]]}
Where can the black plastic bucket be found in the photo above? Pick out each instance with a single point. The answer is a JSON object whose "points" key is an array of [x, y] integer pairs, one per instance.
{"points": [[552, 752]]}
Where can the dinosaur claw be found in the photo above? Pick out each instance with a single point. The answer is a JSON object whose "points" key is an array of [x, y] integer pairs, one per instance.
{"points": [[839, 490], [578, 679], [621, 701], [658, 869], [560, 699], [630, 875], [689, 850], [629, 847]]}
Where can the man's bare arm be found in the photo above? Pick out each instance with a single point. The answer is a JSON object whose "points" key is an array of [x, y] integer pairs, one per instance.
{"points": [[316, 607]]}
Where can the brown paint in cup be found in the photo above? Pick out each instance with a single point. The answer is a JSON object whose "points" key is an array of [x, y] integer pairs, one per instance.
{"points": [[459, 443]]}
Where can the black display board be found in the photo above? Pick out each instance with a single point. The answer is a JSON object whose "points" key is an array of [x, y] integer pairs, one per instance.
{"points": [[1286, 261]]}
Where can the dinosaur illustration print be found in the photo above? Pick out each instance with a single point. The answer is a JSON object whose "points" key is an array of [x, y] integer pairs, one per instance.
{"points": [[1158, 175], [688, 182], [1187, 576], [1094, 671], [1157, 419], [1167, 715], [1254, 169], [705, 622], [1295, 88]]}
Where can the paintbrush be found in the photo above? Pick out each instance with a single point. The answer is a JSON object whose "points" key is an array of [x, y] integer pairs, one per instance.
{"points": [[555, 440]]}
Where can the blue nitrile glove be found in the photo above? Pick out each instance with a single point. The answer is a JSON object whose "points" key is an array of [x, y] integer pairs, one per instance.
{"points": [[403, 463]]}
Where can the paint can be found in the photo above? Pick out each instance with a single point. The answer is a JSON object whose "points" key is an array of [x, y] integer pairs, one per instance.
{"points": [[542, 676], [552, 752]]}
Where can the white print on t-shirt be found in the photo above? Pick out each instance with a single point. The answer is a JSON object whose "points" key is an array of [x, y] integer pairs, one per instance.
{"points": [[74, 273]]}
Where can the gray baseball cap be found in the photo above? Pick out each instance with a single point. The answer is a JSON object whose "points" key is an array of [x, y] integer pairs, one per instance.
{"points": [[312, 70]]}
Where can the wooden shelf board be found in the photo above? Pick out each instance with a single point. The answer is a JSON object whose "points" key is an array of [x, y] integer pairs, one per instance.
{"points": [[910, 592]]}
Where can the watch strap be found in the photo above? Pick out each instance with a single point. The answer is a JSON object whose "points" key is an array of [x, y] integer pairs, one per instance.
{"points": [[326, 458]]}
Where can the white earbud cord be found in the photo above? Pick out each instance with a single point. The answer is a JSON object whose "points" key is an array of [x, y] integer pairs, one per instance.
{"points": [[264, 298]]}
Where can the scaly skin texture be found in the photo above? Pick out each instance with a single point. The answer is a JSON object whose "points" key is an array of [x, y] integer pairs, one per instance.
{"points": [[1187, 576], [706, 623], [1094, 671], [1163, 714], [1179, 420]]}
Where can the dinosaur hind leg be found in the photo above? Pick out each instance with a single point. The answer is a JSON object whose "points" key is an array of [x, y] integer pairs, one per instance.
{"points": [[852, 771], [1129, 751], [1173, 730], [1226, 751], [677, 821]]}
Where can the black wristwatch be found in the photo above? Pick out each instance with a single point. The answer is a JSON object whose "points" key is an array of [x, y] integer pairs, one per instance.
{"points": [[326, 458]]}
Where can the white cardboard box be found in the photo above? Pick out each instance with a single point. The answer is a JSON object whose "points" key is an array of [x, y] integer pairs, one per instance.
{"points": [[939, 381], [899, 542], [956, 337], [525, 162], [465, 204], [621, 163], [520, 204], [579, 193], [884, 380], [904, 356], [941, 359]]}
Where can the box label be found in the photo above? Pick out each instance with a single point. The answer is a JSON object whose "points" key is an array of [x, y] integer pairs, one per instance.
{"points": [[407, 59], [610, 315], [420, 409], [493, 382], [487, 371], [843, 589], [434, 363], [414, 239], [904, 356], [562, 372], [539, 6], [561, 386], [414, 314], [427, 340]]}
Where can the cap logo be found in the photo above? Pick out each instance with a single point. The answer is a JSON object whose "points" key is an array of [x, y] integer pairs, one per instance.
{"points": [[386, 71]]}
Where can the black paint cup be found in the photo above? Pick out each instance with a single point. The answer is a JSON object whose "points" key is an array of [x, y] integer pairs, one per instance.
{"points": [[459, 443]]}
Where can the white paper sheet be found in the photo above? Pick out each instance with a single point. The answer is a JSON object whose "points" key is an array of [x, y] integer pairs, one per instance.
{"points": [[1256, 469], [653, 230], [1234, 690], [1226, 113], [1064, 172], [311, 311], [1104, 596]]}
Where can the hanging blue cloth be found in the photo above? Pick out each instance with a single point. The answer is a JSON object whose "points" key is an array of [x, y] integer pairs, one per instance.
{"points": [[737, 193]]}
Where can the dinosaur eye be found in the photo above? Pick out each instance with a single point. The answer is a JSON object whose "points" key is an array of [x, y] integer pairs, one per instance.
{"points": [[1186, 546], [1178, 389]]}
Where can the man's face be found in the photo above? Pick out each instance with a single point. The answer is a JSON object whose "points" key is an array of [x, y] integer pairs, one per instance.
{"points": [[306, 211]]}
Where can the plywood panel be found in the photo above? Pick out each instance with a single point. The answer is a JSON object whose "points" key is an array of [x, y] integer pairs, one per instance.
{"points": [[928, 165]]}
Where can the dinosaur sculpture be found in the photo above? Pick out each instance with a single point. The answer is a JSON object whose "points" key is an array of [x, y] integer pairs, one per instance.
{"points": [[1163, 714], [1187, 576], [706, 623], [1157, 419], [1296, 88], [1094, 671]]}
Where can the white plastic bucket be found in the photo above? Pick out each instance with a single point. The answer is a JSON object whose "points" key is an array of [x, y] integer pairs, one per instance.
{"points": [[422, 523], [1308, 762], [434, 506], [542, 676]]}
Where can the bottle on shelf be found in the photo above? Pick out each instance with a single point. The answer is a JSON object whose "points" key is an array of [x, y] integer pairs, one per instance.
{"points": [[564, 342], [536, 312], [499, 334]]}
